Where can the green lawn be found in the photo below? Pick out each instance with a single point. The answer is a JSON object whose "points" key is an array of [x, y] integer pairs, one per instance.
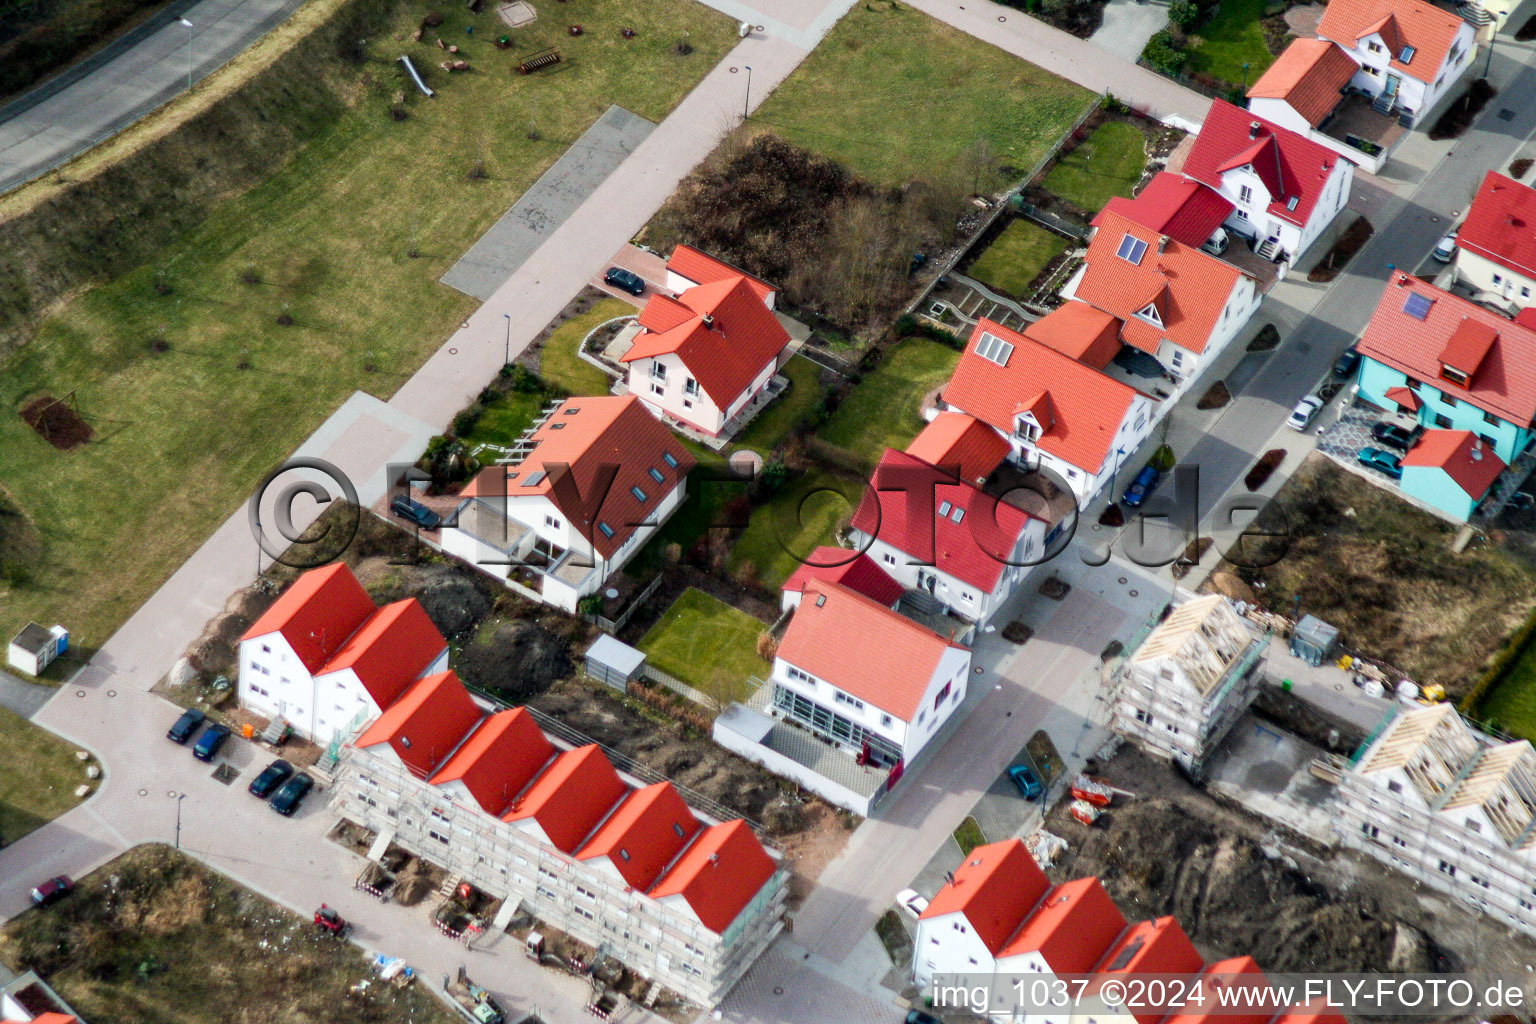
{"points": [[968, 836], [558, 360], [895, 95], [504, 420], [771, 425], [883, 409], [703, 509], [1229, 40], [40, 780], [783, 532], [1016, 257], [707, 644], [183, 435], [1107, 164], [1511, 704]]}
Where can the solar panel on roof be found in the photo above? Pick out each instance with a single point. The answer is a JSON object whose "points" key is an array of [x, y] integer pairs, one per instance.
{"points": [[1132, 249], [1417, 306]]}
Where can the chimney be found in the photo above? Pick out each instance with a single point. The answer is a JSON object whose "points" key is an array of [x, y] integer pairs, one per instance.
{"points": [[1253, 129], [949, 876], [709, 321], [1162, 243], [714, 858]]}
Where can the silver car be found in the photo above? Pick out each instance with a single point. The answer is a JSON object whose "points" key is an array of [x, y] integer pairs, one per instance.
{"points": [[1305, 412]]}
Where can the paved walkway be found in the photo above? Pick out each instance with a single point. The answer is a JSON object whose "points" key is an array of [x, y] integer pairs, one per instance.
{"points": [[1128, 24], [22, 697], [64, 118]]}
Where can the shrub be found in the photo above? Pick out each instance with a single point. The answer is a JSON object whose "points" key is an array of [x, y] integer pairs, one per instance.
{"points": [[1162, 55], [524, 381], [1518, 168], [466, 419], [592, 604], [1267, 338], [1183, 13], [1216, 397], [1163, 459]]}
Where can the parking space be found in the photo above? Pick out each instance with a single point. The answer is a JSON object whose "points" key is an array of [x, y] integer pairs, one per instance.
{"points": [[650, 267], [1344, 439]]}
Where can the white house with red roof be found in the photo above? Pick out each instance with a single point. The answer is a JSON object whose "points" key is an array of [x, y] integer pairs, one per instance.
{"points": [[1496, 243], [593, 480], [612, 860], [945, 538], [703, 356], [1302, 90], [323, 658], [853, 569], [1285, 189], [1176, 206], [1453, 470], [1054, 411], [1174, 302], [1449, 365], [1410, 53], [868, 679], [997, 921]]}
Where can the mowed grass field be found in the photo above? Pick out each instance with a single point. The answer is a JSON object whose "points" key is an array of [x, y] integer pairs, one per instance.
{"points": [[39, 782], [1108, 164], [885, 409], [707, 644], [1016, 257], [184, 433], [896, 95]]}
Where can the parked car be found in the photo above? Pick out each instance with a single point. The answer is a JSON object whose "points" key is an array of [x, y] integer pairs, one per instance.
{"points": [[628, 280], [1445, 249], [1305, 412], [185, 726], [272, 776], [1384, 461], [910, 901], [1024, 777], [1348, 361], [1140, 487], [52, 890], [1393, 436], [291, 795], [919, 1017], [416, 512], [1217, 243], [210, 741]]}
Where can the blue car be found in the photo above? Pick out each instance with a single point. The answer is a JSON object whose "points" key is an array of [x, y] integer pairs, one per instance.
{"points": [[1024, 777], [210, 741], [416, 512], [1380, 460], [1140, 487]]}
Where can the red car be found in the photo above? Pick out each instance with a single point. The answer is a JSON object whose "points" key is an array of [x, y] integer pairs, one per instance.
{"points": [[52, 890]]}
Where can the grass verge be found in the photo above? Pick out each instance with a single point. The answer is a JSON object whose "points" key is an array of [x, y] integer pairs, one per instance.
{"points": [[39, 782], [884, 409], [185, 422], [156, 938], [1016, 257], [1107, 164], [707, 644], [968, 836], [559, 362], [949, 88]]}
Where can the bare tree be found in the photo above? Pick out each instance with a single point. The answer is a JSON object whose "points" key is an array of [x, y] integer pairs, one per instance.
{"points": [[979, 163]]}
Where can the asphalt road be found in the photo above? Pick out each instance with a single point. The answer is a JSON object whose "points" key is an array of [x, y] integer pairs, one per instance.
{"points": [[105, 94]]}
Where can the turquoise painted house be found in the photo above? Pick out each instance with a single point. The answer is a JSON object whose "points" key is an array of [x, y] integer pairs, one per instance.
{"points": [[1465, 374], [1451, 470]]}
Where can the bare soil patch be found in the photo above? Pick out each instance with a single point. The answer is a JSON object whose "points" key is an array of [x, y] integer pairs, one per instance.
{"points": [[1338, 256], [56, 422]]}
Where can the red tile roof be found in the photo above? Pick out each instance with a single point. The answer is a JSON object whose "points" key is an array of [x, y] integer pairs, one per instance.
{"points": [[1501, 224], [1310, 76], [1150, 947], [1468, 346], [425, 725], [974, 550], [1526, 317], [570, 797], [1078, 330], [701, 268], [718, 874], [1208, 1006], [594, 436], [858, 572], [1405, 397], [890, 666], [1428, 29], [1191, 287], [397, 644], [316, 614], [956, 441], [1087, 407], [643, 834], [725, 353], [1070, 929], [1454, 451], [995, 888], [1290, 165], [1172, 205], [498, 760], [1505, 383]]}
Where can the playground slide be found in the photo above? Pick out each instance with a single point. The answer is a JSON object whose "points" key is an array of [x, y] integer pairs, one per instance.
{"points": [[411, 68]]}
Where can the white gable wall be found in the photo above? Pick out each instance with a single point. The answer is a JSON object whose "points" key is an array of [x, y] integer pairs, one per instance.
{"points": [[1415, 97], [669, 396], [947, 944]]}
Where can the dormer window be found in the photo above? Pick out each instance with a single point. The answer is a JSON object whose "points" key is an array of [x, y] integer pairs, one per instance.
{"points": [[1454, 375], [1150, 314], [993, 348]]}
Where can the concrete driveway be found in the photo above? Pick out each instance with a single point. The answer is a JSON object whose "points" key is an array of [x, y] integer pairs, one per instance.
{"points": [[1128, 24]]}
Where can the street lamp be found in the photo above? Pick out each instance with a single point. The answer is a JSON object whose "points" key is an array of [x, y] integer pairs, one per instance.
{"points": [[1492, 36], [188, 25], [746, 101], [1245, 77], [506, 356], [179, 798]]}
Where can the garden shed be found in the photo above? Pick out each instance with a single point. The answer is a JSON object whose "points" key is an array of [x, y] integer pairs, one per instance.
{"points": [[613, 662], [34, 647], [1314, 641]]}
